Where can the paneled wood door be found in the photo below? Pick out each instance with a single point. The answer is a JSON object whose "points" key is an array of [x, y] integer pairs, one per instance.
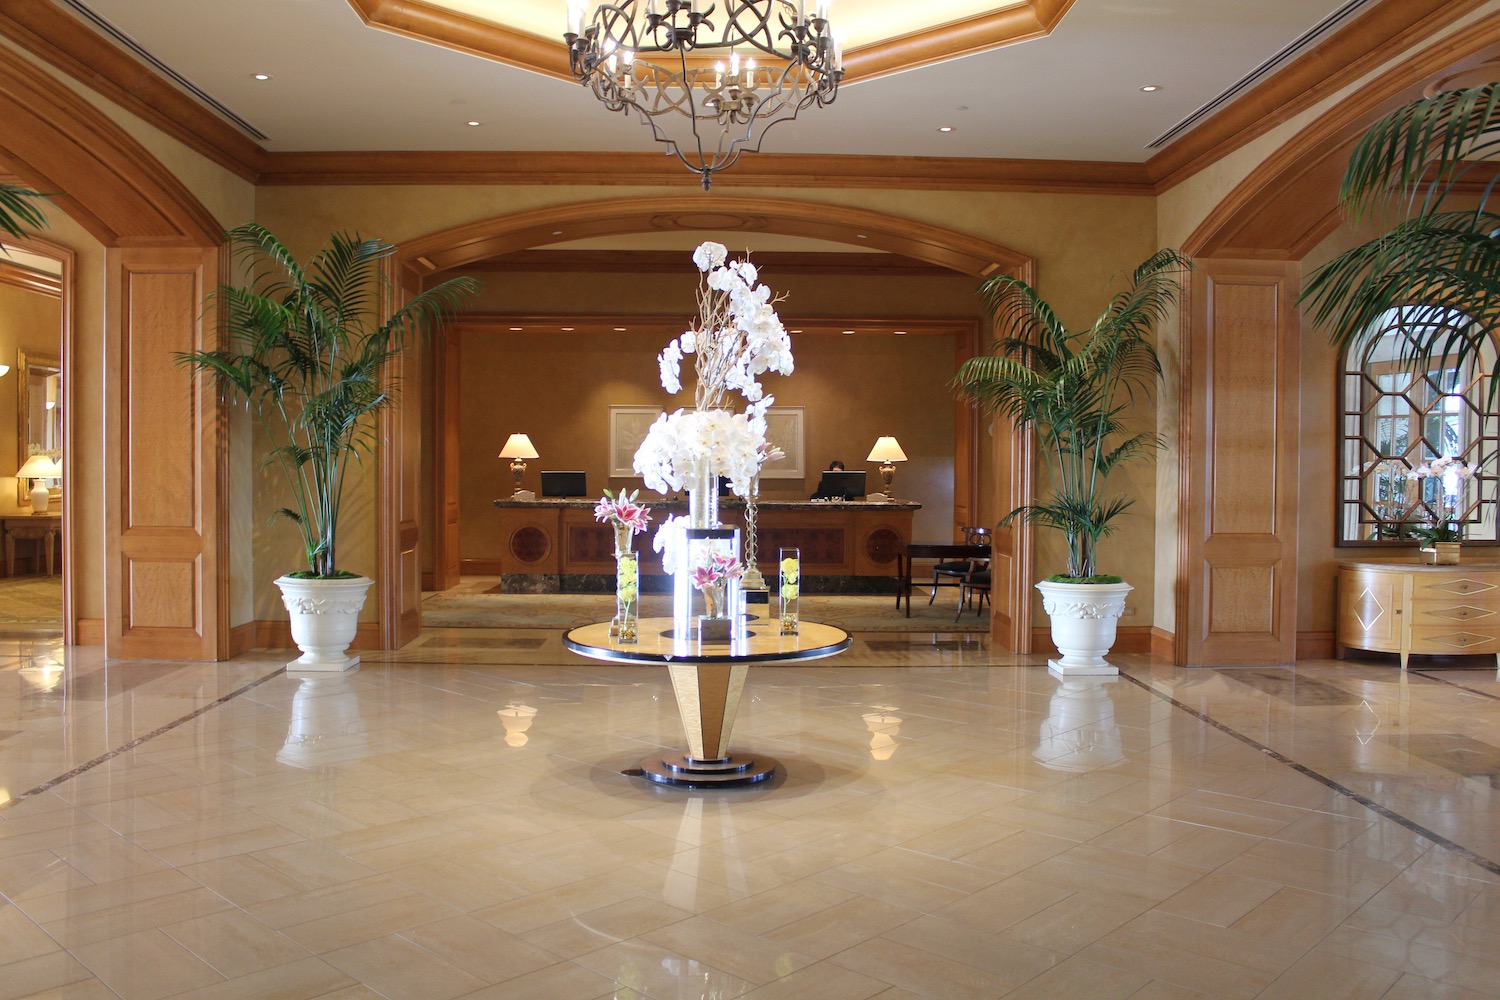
{"points": [[165, 592]]}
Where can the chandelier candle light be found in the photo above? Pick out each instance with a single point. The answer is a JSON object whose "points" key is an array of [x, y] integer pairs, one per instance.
{"points": [[689, 70], [737, 338]]}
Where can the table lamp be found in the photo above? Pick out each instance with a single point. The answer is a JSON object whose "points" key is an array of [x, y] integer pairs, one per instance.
{"points": [[887, 451], [38, 468], [518, 448]]}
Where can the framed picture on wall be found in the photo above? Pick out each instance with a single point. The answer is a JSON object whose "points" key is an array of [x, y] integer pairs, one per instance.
{"points": [[784, 430], [627, 429]]}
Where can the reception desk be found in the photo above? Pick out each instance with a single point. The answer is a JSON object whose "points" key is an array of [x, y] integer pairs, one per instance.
{"points": [[553, 546]]}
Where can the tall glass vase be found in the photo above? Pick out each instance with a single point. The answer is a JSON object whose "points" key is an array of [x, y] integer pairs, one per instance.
{"points": [[696, 548], [627, 597], [789, 566]]}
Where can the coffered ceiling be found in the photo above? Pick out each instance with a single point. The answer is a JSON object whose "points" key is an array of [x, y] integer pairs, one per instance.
{"points": [[401, 75]]}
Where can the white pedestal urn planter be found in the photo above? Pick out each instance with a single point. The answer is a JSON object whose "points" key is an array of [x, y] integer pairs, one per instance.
{"points": [[325, 617], [1083, 616]]}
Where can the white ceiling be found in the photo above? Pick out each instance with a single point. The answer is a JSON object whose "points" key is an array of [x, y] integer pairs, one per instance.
{"points": [[338, 85]]}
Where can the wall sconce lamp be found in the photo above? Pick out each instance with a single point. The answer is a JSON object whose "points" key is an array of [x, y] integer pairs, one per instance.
{"points": [[4, 369], [39, 468], [886, 451], [518, 448]]}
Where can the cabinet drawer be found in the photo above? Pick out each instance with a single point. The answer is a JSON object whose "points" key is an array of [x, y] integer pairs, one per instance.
{"points": [[1482, 613], [1450, 639], [1456, 583]]}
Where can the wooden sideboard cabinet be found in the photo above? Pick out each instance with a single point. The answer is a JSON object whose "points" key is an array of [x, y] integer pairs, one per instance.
{"points": [[1408, 608]]}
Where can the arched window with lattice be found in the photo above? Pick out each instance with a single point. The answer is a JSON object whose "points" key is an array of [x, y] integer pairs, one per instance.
{"points": [[1397, 417]]}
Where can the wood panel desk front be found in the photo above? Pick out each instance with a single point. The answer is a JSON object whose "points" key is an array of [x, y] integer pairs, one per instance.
{"points": [[552, 539]]}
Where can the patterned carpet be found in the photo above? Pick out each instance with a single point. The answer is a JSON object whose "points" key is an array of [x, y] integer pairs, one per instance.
{"points": [[31, 600], [465, 608]]}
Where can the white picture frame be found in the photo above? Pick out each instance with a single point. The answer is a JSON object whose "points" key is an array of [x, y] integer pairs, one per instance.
{"points": [[627, 429], [784, 429]]}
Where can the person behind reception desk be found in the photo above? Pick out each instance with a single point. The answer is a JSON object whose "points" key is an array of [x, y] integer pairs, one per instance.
{"points": [[826, 490]]}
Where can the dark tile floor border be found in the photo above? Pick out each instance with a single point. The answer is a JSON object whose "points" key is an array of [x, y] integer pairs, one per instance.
{"points": [[1490, 866], [52, 783]]}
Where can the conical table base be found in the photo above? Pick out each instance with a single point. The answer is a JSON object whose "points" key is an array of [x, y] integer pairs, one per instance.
{"points": [[707, 679]]}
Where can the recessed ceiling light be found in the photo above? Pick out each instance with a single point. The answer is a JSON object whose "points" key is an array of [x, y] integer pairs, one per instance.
{"points": [[794, 331], [1150, 88], [567, 329], [860, 236], [262, 76], [557, 232], [900, 333], [619, 329], [848, 333], [472, 124], [518, 328], [945, 128]]}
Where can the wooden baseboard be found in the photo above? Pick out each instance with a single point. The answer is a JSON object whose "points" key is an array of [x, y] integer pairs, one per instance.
{"points": [[1163, 643], [1128, 639], [90, 631], [478, 567], [1315, 645]]}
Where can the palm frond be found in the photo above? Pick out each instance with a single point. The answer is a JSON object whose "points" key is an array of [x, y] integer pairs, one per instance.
{"points": [[20, 209]]}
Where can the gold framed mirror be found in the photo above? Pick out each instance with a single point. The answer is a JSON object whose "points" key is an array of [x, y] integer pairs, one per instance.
{"points": [[39, 415]]}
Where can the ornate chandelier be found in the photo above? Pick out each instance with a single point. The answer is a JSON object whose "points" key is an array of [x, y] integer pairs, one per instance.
{"points": [[708, 93]]}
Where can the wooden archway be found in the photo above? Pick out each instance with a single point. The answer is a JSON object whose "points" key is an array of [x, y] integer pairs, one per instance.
{"points": [[691, 212], [157, 462], [1237, 532]]}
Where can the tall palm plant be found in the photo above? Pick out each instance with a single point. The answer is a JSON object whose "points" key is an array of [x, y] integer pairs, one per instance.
{"points": [[308, 355], [1075, 391], [1439, 266]]}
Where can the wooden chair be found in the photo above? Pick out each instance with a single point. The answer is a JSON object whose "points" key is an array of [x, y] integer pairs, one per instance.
{"points": [[954, 571], [975, 582]]}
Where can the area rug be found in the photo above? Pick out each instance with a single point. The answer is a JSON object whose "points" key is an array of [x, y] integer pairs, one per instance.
{"points": [[853, 613], [31, 600]]}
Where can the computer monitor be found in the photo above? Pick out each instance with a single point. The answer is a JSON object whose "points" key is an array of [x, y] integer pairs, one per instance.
{"points": [[564, 484], [836, 485]]}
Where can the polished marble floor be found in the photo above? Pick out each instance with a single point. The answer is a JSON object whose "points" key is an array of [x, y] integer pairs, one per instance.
{"points": [[453, 821]]}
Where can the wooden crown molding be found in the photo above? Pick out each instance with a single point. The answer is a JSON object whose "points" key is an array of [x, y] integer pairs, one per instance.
{"points": [[108, 182], [670, 262], [438, 25], [778, 170], [28, 280], [461, 246], [47, 31], [1290, 201], [1378, 36]]}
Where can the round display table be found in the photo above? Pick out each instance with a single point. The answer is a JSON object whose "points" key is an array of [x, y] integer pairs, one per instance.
{"points": [[707, 678]]}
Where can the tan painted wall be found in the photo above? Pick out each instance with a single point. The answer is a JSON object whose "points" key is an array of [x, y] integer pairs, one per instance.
{"points": [[1083, 244], [851, 389]]}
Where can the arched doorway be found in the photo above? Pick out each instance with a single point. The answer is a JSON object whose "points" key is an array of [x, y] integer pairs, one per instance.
{"points": [[464, 245], [145, 507]]}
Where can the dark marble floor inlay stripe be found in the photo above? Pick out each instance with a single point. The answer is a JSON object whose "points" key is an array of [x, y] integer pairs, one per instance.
{"points": [[52, 783], [1287, 686], [1492, 867]]}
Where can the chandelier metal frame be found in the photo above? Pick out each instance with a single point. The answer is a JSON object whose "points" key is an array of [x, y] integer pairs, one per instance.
{"points": [[718, 107]]}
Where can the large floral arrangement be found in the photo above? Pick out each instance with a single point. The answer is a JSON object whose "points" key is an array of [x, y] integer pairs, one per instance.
{"points": [[737, 338]]}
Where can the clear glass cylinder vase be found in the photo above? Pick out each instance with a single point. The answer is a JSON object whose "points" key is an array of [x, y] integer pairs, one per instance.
{"points": [[789, 569], [627, 597], [707, 601]]}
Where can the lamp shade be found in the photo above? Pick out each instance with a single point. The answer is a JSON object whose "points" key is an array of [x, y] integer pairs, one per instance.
{"points": [[518, 446], [39, 466], [887, 449]]}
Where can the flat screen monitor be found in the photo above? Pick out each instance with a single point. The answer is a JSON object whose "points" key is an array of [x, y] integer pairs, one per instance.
{"points": [[564, 484], [838, 485]]}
